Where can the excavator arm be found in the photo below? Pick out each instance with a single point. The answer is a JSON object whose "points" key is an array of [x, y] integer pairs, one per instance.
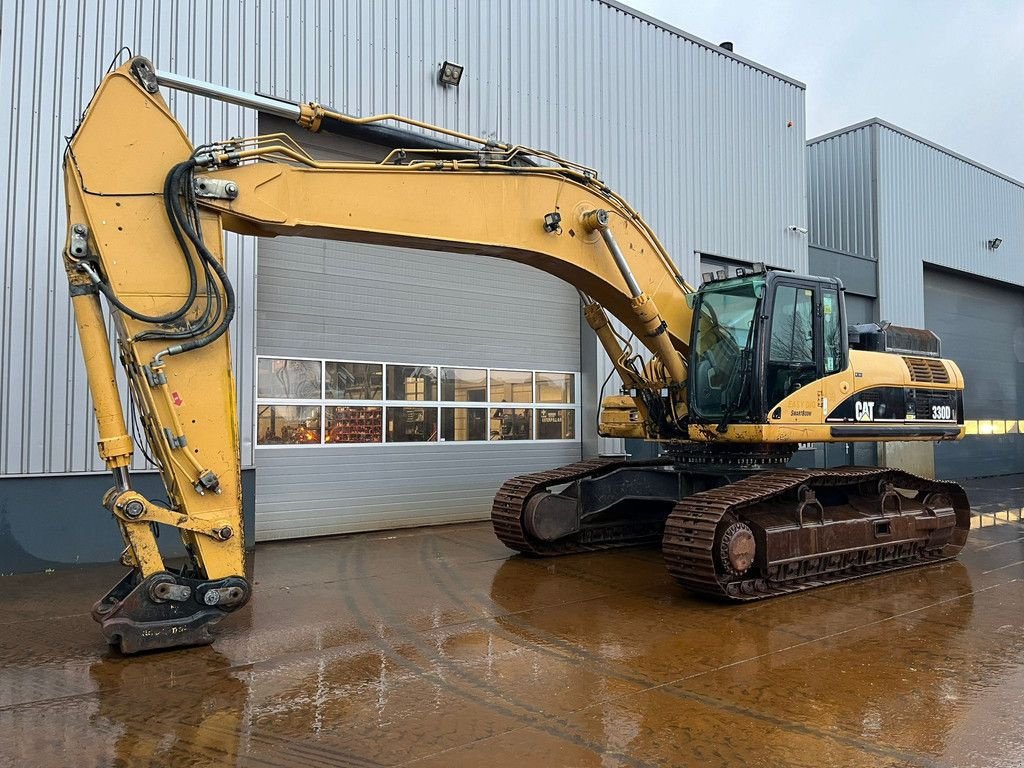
{"points": [[146, 217]]}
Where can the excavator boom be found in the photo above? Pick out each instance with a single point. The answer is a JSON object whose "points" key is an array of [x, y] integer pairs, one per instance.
{"points": [[147, 212]]}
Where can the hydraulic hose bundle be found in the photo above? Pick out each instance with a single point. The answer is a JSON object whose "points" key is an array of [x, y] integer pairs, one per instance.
{"points": [[212, 322]]}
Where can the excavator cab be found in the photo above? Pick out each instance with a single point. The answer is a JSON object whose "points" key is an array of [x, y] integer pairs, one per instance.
{"points": [[762, 335]]}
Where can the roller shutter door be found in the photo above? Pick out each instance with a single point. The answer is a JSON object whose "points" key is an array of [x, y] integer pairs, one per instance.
{"points": [[981, 325], [332, 301]]}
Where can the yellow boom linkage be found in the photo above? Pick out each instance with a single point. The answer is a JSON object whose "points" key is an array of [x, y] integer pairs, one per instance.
{"points": [[167, 298]]}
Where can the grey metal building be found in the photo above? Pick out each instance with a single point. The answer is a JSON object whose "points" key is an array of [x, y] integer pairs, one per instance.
{"points": [[928, 238], [708, 145]]}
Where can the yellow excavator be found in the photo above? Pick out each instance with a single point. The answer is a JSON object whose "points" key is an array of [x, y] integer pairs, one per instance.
{"points": [[736, 374]]}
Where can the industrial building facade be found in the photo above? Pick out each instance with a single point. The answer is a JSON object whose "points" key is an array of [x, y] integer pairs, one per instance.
{"points": [[927, 238], [379, 387]]}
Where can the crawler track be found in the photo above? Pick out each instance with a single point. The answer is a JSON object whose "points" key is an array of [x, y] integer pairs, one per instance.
{"points": [[694, 530], [510, 504], [692, 536]]}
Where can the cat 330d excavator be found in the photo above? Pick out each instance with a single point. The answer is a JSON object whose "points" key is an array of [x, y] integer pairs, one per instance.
{"points": [[740, 371]]}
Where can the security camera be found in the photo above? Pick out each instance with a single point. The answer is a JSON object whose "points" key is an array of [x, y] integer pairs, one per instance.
{"points": [[795, 228]]}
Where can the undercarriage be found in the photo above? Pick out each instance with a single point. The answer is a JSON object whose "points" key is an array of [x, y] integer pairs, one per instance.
{"points": [[740, 527]]}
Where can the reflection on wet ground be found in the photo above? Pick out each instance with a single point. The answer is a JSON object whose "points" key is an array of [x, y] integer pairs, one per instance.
{"points": [[434, 647]]}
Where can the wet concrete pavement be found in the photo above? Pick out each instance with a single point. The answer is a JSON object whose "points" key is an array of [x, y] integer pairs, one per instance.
{"points": [[435, 647]]}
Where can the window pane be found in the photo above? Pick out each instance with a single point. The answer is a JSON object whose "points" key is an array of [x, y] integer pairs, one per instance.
{"points": [[463, 385], [354, 381], [412, 425], [353, 424], [463, 424], [723, 332], [511, 424], [556, 424], [412, 382], [833, 333], [279, 377], [287, 424], [511, 386], [556, 388], [792, 325]]}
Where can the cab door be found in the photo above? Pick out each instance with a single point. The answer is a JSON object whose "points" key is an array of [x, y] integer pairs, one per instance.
{"points": [[806, 337], [793, 349]]}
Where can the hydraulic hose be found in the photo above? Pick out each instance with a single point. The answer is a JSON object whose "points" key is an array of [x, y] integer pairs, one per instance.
{"points": [[105, 288], [180, 219]]}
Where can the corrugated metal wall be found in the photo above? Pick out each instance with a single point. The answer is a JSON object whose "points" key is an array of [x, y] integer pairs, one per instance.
{"points": [[707, 146], [879, 192], [350, 301], [840, 193], [698, 141], [53, 55], [938, 208]]}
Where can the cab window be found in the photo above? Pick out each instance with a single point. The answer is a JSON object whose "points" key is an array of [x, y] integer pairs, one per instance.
{"points": [[793, 325], [833, 331], [790, 363], [725, 320]]}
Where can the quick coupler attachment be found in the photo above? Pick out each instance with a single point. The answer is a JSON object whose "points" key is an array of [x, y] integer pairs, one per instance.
{"points": [[166, 610]]}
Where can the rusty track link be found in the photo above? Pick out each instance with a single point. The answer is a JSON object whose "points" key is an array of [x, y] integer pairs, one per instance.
{"points": [[510, 504], [692, 529]]}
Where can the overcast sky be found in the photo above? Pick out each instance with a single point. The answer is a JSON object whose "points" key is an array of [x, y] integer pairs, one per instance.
{"points": [[952, 72]]}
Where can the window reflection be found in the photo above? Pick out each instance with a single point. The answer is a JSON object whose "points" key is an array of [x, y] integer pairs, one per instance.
{"points": [[412, 425], [556, 388], [412, 382], [556, 424], [511, 424], [460, 424], [792, 325], [433, 403], [833, 331], [511, 386], [281, 377], [288, 424], [464, 385], [353, 381], [353, 424]]}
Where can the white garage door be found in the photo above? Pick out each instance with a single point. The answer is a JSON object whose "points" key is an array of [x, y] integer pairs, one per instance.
{"points": [[400, 387]]}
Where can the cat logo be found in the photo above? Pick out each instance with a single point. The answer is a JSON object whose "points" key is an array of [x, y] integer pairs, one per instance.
{"points": [[864, 411]]}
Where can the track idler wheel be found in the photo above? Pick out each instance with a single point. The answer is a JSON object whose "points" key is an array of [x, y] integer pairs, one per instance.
{"points": [[736, 549], [166, 610]]}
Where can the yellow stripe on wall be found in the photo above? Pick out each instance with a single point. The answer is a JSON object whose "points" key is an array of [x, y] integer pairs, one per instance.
{"points": [[993, 426], [1002, 517]]}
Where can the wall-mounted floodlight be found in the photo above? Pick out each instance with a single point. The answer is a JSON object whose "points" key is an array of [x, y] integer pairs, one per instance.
{"points": [[449, 74], [995, 242]]}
